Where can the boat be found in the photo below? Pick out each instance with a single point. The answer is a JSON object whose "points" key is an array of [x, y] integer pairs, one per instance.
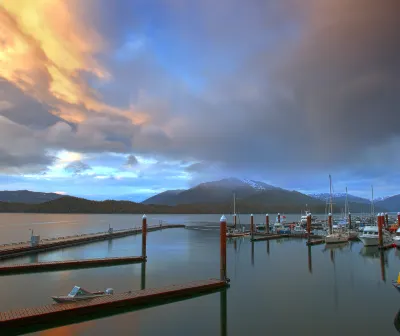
{"points": [[396, 283], [396, 238], [369, 236], [78, 294], [339, 236], [280, 229], [299, 229]]}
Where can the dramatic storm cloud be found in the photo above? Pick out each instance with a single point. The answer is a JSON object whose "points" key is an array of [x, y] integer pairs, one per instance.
{"points": [[133, 97]]}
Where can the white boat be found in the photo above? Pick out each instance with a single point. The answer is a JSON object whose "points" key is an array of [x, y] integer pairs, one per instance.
{"points": [[370, 237], [396, 238], [336, 238], [79, 294], [298, 229]]}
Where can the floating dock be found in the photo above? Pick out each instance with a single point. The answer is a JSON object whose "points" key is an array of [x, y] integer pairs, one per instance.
{"points": [[24, 248], [67, 264], [270, 237], [47, 314], [315, 242]]}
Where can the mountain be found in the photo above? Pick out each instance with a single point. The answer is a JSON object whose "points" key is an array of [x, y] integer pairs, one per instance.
{"points": [[340, 198], [392, 203], [26, 196], [213, 192], [164, 197]]}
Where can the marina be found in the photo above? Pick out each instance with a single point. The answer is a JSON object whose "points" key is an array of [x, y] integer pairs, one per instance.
{"points": [[192, 254]]}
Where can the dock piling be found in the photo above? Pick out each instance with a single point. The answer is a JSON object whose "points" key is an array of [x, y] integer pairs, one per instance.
{"points": [[223, 248], [380, 224], [267, 223], [398, 218], [309, 227], [386, 220], [144, 235], [279, 217], [251, 226]]}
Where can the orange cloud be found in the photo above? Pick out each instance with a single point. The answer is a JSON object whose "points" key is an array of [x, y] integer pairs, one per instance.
{"points": [[43, 50]]}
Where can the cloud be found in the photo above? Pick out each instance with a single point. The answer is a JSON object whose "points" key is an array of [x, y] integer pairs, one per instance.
{"points": [[284, 91], [131, 161], [77, 167]]}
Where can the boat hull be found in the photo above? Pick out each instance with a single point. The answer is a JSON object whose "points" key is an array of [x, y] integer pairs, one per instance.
{"points": [[66, 299], [336, 239], [396, 242], [369, 241]]}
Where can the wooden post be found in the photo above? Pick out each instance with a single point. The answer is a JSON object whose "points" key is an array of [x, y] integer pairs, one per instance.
{"points": [[329, 223], [251, 226], [223, 248], [144, 235], [267, 223], [309, 227], [349, 220], [380, 224], [279, 217]]}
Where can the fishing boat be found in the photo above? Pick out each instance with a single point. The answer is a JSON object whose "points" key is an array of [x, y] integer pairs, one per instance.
{"points": [[370, 237], [396, 283], [338, 236], [79, 294]]}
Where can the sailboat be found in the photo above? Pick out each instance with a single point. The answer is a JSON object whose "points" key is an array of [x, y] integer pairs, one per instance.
{"points": [[235, 232], [334, 237], [353, 234]]}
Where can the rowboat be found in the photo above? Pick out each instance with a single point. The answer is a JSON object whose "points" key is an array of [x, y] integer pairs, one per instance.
{"points": [[78, 294]]}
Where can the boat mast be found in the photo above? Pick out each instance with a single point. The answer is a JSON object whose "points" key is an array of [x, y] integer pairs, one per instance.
{"points": [[372, 203], [234, 203], [346, 210], [330, 193]]}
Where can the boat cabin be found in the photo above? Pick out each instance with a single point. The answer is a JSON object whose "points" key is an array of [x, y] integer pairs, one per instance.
{"points": [[78, 291], [370, 230]]}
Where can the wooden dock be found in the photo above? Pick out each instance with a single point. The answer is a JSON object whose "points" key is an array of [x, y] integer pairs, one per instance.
{"points": [[24, 248], [270, 237], [315, 242], [67, 264], [47, 314]]}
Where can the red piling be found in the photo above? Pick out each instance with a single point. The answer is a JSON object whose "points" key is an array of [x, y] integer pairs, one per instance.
{"points": [[309, 226], [279, 217], [380, 224], [267, 223], [144, 235], [329, 223], [398, 218], [251, 225], [223, 248]]}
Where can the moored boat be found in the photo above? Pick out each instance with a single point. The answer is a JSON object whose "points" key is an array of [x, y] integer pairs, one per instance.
{"points": [[396, 283], [396, 238], [370, 236], [79, 294]]}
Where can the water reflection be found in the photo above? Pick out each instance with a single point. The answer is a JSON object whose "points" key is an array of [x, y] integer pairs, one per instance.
{"points": [[309, 259], [143, 276], [34, 258], [396, 321], [252, 253], [370, 252], [383, 271], [335, 287], [223, 313], [268, 247], [110, 245]]}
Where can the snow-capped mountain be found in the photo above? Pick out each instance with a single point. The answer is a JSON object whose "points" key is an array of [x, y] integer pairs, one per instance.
{"points": [[259, 185], [339, 197]]}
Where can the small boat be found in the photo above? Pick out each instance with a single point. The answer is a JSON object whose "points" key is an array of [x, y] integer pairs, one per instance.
{"points": [[396, 283], [336, 238], [298, 229], [280, 229], [78, 293]]}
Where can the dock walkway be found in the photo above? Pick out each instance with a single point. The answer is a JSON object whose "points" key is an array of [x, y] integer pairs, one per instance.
{"points": [[67, 264], [23, 248], [45, 314]]}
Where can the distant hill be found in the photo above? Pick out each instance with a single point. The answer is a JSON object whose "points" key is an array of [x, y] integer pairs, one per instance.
{"points": [[26, 196], [341, 198], [391, 203]]}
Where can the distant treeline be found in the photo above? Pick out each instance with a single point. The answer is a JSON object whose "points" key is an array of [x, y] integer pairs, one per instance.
{"points": [[76, 205]]}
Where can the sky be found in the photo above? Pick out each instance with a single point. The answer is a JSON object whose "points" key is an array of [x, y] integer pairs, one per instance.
{"points": [[101, 98]]}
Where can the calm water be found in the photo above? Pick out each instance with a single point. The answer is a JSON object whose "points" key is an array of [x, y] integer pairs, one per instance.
{"points": [[280, 287]]}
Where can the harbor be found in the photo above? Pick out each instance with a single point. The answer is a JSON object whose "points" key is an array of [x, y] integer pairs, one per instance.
{"points": [[339, 273]]}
